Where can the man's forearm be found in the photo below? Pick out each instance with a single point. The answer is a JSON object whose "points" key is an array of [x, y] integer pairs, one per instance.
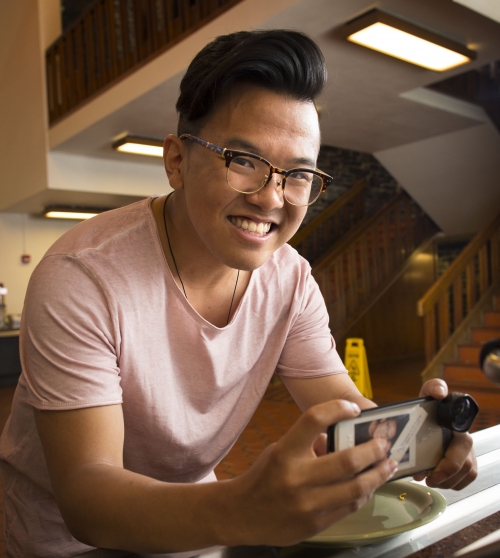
{"points": [[109, 507]]}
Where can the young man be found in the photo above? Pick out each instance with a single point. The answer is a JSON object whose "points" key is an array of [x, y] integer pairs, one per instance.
{"points": [[150, 334]]}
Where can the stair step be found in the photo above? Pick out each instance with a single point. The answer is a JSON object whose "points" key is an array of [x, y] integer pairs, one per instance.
{"points": [[468, 371], [470, 352], [492, 319], [484, 333], [488, 396]]}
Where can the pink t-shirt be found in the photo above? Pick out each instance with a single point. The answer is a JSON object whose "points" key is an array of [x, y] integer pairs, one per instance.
{"points": [[105, 323]]}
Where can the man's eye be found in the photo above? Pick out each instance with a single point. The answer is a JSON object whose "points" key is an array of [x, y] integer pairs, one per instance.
{"points": [[243, 162], [302, 176]]}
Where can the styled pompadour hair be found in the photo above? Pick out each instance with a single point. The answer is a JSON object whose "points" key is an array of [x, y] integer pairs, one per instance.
{"points": [[283, 61]]}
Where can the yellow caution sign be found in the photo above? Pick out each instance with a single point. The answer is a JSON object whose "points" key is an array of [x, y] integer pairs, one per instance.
{"points": [[357, 365]]}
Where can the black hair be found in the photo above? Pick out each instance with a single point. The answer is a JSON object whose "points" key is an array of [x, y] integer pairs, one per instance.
{"points": [[283, 61]]}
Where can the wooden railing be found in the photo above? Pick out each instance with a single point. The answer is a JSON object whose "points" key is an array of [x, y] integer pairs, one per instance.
{"points": [[313, 240], [449, 301], [113, 38], [365, 261]]}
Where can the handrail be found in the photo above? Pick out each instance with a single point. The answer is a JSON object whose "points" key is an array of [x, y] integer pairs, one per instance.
{"points": [[456, 268], [453, 297], [357, 233], [113, 38], [313, 240], [356, 188], [353, 273]]}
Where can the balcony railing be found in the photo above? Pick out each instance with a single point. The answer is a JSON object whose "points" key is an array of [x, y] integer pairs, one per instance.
{"points": [[114, 38]]}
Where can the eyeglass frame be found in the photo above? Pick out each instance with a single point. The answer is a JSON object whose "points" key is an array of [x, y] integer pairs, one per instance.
{"points": [[229, 154]]}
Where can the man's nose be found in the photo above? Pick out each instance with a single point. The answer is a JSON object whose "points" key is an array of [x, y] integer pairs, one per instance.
{"points": [[271, 196]]}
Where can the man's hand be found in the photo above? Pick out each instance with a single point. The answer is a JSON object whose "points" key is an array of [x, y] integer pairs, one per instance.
{"points": [[293, 491], [458, 468]]}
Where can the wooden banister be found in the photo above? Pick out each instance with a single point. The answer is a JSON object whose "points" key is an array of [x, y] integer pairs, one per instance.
{"points": [[315, 238], [356, 188], [358, 233], [353, 273], [448, 302]]}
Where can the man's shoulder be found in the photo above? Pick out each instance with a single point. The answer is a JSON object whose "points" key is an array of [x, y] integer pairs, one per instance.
{"points": [[114, 226], [285, 271], [288, 259]]}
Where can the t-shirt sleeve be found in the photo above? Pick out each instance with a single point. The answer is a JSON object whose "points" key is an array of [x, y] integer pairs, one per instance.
{"points": [[68, 338], [310, 349]]}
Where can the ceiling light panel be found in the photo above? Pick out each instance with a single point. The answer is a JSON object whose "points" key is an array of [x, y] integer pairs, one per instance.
{"points": [[69, 212], [138, 145], [400, 39]]}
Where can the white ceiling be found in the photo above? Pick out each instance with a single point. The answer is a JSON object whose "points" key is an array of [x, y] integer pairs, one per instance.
{"points": [[366, 105], [488, 8]]}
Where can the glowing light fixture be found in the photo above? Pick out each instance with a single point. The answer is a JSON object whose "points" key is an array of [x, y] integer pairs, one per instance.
{"points": [[139, 145], [401, 39], [77, 213]]}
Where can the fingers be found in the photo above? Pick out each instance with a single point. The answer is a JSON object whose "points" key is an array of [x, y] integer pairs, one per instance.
{"points": [[435, 388], [303, 434], [293, 490], [358, 489], [458, 468], [331, 503], [320, 445], [335, 466], [307, 436]]}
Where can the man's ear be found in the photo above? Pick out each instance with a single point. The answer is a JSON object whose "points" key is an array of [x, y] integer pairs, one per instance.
{"points": [[173, 155]]}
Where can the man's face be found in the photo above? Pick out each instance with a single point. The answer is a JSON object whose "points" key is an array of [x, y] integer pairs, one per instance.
{"points": [[283, 131]]}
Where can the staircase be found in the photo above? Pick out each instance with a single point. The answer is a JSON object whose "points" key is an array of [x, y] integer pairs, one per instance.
{"points": [[461, 311], [464, 374], [355, 258]]}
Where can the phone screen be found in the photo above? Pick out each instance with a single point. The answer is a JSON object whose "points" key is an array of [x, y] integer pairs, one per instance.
{"points": [[417, 442]]}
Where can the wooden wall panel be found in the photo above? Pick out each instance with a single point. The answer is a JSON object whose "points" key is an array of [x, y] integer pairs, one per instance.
{"points": [[391, 328]]}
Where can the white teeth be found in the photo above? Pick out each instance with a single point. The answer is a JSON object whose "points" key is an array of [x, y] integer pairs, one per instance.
{"points": [[260, 229]]}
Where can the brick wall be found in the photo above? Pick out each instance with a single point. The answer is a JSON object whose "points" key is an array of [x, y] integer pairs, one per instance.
{"points": [[347, 166]]}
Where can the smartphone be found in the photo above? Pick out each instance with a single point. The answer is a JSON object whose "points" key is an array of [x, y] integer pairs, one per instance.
{"points": [[418, 430]]}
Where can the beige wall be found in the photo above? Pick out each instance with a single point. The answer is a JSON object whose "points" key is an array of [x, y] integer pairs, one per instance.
{"points": [[20, 233], [453, 177], [23, 134]]}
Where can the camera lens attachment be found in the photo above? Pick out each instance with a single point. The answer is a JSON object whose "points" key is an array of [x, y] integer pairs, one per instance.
{"points": [[457, 412]]}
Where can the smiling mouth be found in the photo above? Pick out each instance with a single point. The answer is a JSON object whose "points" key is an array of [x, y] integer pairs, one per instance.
{"points": [[259, 229]]}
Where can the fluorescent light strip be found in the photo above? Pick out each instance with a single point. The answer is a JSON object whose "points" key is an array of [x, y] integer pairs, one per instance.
{"points": [[141, 149], [389, 40], [59, 214]]}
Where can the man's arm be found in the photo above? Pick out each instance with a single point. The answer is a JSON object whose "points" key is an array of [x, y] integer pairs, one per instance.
{"points": [[308, 392], [456, 470], [288, 495]]}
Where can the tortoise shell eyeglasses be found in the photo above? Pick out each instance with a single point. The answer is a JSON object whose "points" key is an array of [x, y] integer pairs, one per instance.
{"points": [[248, 173]]}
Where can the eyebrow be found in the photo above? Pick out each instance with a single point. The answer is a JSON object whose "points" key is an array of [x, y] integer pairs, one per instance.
{"points": [[243, 145]]}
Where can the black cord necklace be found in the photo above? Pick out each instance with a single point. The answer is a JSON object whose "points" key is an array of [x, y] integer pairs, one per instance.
{"points": [[175, 263]]}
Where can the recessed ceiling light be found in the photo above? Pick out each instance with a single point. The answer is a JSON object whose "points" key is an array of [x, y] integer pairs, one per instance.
{"points": [[139, 145], [77, 213], [401, 39]]}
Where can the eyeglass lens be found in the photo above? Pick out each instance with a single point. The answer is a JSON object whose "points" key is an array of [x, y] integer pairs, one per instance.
{"points": [[248, 175]]}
